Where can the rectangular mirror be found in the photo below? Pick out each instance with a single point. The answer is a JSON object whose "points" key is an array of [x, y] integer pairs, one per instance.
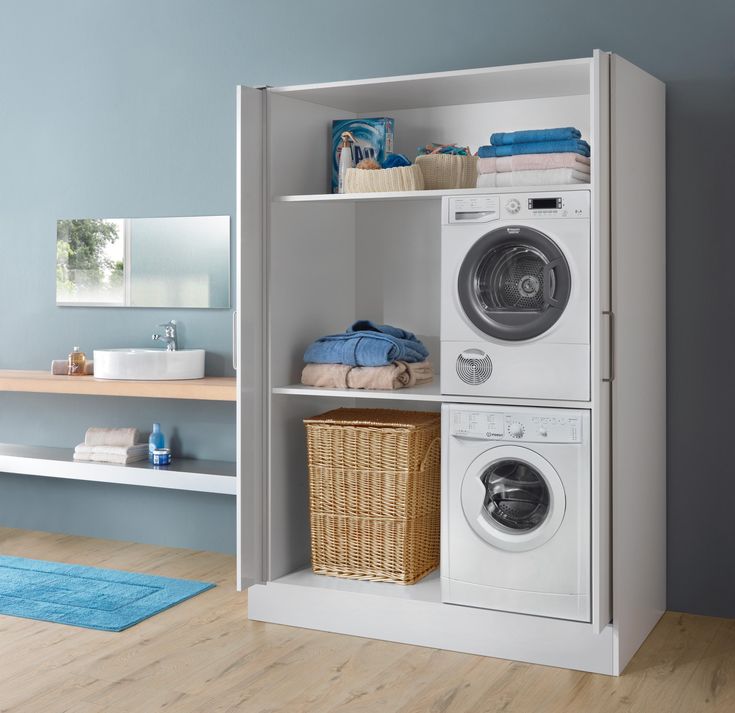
{"points": [[143, 262]]}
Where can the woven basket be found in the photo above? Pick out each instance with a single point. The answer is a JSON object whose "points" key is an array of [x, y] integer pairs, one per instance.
{"points": [[374, 493], [443, 171], [402, 178]]}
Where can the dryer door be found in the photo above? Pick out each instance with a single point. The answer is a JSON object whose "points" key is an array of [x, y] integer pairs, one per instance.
{"points": [[513, 498], [514, 283]]}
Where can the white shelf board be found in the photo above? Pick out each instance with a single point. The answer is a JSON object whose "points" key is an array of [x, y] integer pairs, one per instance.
{"points": [[424, 195], [467, 86], [424, 392], [203, 476]]}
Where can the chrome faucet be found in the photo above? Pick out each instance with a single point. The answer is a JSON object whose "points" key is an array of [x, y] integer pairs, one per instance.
{"points": [[168, 337]]}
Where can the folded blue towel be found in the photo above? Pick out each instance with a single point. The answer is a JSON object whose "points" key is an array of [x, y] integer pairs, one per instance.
{"points": [[533, 135], [367, 344], [568, 146]]}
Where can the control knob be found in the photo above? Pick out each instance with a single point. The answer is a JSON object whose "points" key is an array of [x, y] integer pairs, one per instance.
{"points": [[513, 206], [516, 430]]}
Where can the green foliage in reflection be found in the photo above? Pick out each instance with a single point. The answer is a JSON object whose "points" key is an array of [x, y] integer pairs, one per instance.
{"points": [[80, 258]]}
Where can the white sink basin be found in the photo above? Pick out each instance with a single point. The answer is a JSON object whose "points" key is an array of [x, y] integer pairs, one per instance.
{"points": [[149, 364]]}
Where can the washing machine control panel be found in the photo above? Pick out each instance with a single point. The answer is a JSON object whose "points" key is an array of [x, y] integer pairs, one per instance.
{"points": [[539, 427]]}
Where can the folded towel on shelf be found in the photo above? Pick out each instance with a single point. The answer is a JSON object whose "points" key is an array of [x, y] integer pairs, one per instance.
{"points": [[569, 146], [534, 162], [367, 344], [111, 437], [60, 367], [399, 375], [526, 137], [111, 454], [548, 177]]}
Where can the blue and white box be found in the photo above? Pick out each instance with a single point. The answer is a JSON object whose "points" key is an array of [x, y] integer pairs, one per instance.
{"points": [[373, 139]]}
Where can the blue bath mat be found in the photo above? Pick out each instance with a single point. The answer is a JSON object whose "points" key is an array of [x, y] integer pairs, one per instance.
{"points": [[91, 597]]}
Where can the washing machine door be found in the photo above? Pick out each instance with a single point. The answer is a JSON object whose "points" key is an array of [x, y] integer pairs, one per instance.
{"points": [[513, 498], [514, 283]]}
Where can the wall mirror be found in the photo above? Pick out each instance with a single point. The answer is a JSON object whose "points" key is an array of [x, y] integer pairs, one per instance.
{"points": [[143, 262]]}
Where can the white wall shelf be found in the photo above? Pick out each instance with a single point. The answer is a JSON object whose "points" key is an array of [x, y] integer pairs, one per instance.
{"points": [[202, 476], [421, 195], [425, 392]]}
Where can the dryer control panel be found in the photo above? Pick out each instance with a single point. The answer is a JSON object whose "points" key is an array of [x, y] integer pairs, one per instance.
{"points": [[526, 427], [480, 208]]}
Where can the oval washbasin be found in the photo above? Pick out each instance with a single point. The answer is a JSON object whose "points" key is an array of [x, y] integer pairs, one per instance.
{"points": [[149, 364]]}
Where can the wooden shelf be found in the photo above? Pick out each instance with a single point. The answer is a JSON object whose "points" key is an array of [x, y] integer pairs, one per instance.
{"points": [[210, 388], [423, 195], [202, 476], [425, 392]]}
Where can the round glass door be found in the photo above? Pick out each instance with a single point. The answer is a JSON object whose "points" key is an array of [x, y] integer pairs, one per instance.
{"points": [[516, 495], [513, 498], [514, 283]]}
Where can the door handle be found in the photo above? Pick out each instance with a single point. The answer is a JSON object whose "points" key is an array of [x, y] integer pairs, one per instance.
{"points": [[609, 368], [234, 340]]}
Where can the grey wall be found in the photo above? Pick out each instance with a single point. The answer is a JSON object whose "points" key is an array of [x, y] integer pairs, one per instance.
{"points": [[127, 108]]}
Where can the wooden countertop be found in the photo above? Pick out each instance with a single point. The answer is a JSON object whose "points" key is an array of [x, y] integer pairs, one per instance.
{"points": [[211, 388]]}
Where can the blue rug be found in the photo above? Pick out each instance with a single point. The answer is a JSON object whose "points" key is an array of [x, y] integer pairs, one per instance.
{"points": [[91, 597]]}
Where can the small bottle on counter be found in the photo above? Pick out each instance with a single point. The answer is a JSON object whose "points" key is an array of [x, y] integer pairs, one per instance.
{"points": [[156, 441], [76, 362]]}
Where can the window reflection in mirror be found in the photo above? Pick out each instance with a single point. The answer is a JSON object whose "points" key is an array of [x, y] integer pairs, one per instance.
{"points": [[143, 262]]}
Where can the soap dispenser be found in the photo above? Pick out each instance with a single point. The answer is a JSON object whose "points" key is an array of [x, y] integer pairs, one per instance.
{"points": [[155, 441], [76, 362]]}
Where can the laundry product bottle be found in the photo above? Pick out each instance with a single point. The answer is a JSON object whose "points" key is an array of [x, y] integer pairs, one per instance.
{"points": [[346, 160], [76, 362], [155, 440]]}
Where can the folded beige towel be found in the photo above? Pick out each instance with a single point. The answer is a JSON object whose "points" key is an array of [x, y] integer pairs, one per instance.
{"points": [[60, 367], [83, 448], [398, 375], [547, 177], [122, 458], [533, 162], [111, 437]]}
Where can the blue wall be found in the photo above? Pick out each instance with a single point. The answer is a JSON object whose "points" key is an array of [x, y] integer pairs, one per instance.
{"points": [[127, 108]]}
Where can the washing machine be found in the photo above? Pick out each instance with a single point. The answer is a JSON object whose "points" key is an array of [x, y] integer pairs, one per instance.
{"points": [[516, 510], [515, 288]]}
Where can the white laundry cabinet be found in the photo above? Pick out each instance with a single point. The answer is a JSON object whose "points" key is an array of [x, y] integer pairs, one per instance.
{"points": [[310, 263]]}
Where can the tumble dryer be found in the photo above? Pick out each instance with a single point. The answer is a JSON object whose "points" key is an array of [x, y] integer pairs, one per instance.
{"points": [[515, 285], [516, 510]]}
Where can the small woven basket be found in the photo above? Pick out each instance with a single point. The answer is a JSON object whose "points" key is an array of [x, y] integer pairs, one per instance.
{"points": [[443, 171], [374, 493], [401, 178]]}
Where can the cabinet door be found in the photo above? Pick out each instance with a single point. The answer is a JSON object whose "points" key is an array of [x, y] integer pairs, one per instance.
{"points": [[250, 336]]}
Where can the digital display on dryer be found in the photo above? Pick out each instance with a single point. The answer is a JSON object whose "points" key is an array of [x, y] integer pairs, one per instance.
{"points": [[544, 203]]}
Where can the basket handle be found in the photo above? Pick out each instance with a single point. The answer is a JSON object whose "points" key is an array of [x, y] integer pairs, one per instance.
{"points": [[429, 451]]}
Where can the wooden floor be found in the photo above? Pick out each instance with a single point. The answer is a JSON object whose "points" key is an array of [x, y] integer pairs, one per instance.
{"points": [[205, 656]]}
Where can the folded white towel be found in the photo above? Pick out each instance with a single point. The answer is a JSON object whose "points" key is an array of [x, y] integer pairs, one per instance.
{"points": [[111, 450], [111, 437], [548, 177], [122, 459], [533, 162]]}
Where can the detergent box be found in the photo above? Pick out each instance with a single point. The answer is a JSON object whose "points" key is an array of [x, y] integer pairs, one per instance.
{"points": [[373, 139]]}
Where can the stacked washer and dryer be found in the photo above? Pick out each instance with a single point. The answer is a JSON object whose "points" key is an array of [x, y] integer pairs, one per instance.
{"points": [[516, 480]]}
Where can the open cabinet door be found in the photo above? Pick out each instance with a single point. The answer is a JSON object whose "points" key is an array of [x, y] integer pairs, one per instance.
{"points": [[250, 337], [638, 240]]}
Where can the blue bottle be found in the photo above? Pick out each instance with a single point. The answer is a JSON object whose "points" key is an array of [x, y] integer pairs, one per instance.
{"points": [[155, 440]]}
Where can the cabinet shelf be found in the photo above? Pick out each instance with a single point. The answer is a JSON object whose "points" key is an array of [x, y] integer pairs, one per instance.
{"points": [[202, 476], [422, 195], [425, 392], [211, 388]]}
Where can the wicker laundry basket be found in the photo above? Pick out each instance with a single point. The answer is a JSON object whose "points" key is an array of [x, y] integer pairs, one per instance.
{"points": [[374, 493], [443, 171], [401, 178]]}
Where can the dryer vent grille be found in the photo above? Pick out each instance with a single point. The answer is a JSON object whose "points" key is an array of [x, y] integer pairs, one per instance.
{"points": [[474, 367]]}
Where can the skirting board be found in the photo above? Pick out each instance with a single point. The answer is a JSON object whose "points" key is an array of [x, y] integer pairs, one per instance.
{"points": [[424, 621]]}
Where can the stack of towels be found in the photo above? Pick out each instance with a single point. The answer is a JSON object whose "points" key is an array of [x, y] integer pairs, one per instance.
{"points": [[367, 356], [111, 445], [539, 157]]}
